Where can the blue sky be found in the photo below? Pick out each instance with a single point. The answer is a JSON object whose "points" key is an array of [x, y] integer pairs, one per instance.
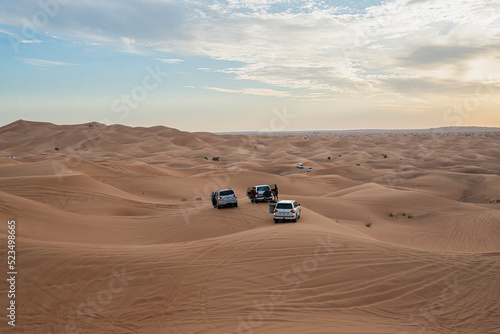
{"points": [[251, 65]]}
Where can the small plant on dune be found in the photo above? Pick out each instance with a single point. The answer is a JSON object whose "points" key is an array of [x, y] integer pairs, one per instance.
{"points": [[391, 214], [329, 158], [410, 216], [403, 214], [198, 198], [205, 158], [385, 156], [498, 200], [184, 199], [368, 224], [340, 155], [358, 165], [215, 158]]}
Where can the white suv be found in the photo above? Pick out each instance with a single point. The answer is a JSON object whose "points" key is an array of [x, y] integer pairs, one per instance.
{"points": [[226, 197], [287, 210]]}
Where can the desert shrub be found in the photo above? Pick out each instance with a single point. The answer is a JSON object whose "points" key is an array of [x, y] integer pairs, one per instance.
{"points": [[329, 158], [215, 158], [184, 199], [391, 214], [403, 214], [205, 158], [410, 216], [368, 224], [385, 156]]}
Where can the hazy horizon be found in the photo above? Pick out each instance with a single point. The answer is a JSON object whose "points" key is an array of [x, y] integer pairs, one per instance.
{"points": [[258, 65], [277, 132]]}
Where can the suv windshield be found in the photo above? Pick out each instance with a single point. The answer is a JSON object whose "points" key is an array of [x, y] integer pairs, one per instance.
{"points": [[263, 188], [284, 206], [226, 193]]}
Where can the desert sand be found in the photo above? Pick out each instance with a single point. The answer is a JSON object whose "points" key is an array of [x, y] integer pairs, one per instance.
{"points": [[116, 234]]}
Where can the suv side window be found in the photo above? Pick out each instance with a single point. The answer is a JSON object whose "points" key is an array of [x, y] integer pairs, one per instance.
{"points": [[294, 204]]}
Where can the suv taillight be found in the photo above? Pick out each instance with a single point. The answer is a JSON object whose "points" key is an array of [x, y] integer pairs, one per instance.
{"points": [[235, 195], [219, 197], [293, 211], [275, 210]]}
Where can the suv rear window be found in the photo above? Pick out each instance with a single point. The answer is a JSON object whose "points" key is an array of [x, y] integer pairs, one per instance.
{"points": [[284, 206], [263, 188], [226, 193]]}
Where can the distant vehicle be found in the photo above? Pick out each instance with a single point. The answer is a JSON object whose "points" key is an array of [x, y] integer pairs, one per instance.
{"points": [[299, 165], [287, 210], [309, 169], [226, 197]]}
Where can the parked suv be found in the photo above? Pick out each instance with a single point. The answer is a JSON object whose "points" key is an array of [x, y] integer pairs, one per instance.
{"points": [[226, 197], [264, 193], [287, 210]]}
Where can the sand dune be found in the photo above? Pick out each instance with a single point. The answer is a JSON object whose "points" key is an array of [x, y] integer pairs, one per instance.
{"points": [[116, 233]]}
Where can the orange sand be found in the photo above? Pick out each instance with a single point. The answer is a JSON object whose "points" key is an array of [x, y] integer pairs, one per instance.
{"points": [[106, 243]]}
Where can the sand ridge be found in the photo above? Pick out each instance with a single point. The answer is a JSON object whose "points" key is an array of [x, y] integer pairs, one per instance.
{"points": [[116, 233]]}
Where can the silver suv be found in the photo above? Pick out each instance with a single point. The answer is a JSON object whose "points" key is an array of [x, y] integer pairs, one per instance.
{"points": [[225, 197]]}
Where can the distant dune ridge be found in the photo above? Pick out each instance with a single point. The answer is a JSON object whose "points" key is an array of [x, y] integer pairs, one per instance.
{"points": [[400, 231]]}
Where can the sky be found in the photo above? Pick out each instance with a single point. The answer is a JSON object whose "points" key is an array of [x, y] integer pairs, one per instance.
{"points": [[252, 65]]}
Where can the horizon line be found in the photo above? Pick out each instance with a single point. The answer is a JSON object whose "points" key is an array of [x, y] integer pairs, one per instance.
{"points": [[281, 132]]}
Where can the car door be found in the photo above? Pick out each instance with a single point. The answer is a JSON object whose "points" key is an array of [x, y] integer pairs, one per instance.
{"points": [[249, 192], [296, 207]]}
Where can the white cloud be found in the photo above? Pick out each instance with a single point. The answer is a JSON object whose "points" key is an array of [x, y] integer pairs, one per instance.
{"points": [[252, 91], [304, 44], [45, 63], [170, 60], [6, 33], [31, 41]]}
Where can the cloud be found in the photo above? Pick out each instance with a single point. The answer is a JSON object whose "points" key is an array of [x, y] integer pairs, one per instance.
{"points": [[6, 33], [31, 41], [306, 44], [439, 54], [170, 60], [252, 91], [45, 63]]}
